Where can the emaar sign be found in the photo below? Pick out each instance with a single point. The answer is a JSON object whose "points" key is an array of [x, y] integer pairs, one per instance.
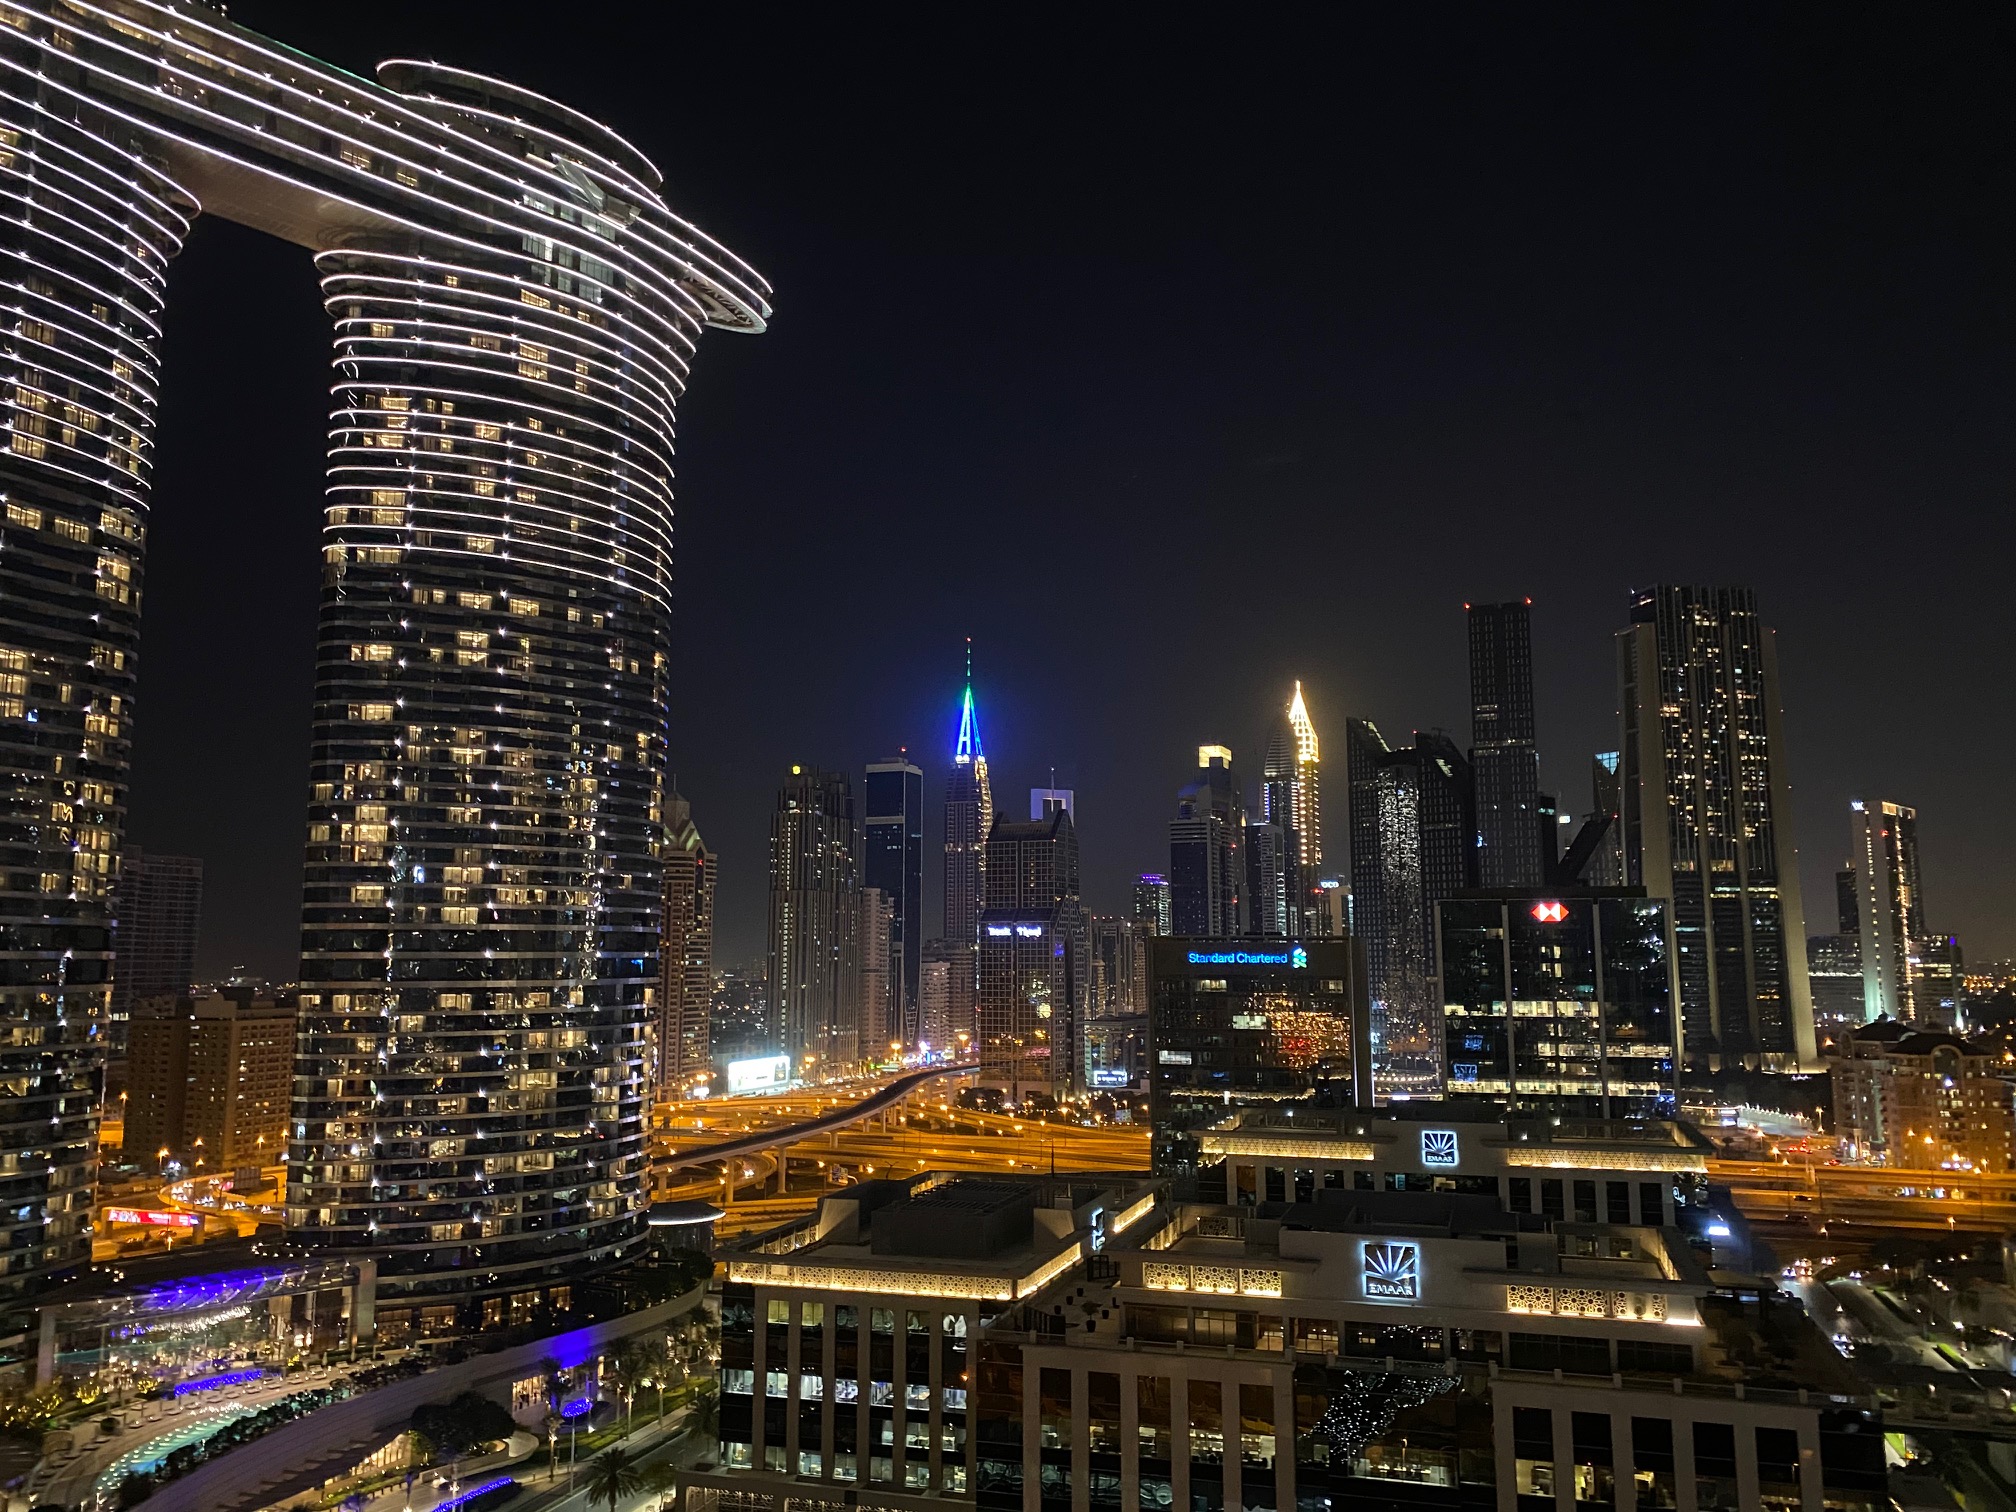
{"points": [[1295, 958], [1390, 1271]]}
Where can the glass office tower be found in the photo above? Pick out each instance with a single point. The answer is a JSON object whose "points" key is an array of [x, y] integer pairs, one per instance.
{"points": [[1560, 1001]]}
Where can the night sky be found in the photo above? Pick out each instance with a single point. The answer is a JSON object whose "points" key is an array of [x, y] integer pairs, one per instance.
{"points": [[1175, 354]]}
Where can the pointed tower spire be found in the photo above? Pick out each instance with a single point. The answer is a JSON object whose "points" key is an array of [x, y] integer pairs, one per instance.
{"points": [[1299, 722], [969, 748]]}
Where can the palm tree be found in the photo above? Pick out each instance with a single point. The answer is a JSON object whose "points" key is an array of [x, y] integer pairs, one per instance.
{"points": [[611, 1477]]}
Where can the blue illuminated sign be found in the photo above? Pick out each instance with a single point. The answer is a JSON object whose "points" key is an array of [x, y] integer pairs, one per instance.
{"points": [[1438, 1146], [212, 1383], [470, 1494], [1295, 958]]}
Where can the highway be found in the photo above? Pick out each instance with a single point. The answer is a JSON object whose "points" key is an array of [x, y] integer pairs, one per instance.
{"points": [[787, 1151], [1869, 1196]]}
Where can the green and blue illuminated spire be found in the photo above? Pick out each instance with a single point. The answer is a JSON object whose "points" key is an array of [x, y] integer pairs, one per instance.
{"points": [[969, 748]]}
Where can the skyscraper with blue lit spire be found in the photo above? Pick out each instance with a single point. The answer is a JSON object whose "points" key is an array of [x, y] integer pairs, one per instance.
{"points": [[969, 816]]}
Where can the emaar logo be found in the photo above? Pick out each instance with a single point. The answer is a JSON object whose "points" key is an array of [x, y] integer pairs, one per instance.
{"points": [[1438, 1146], [1391, 1272]]}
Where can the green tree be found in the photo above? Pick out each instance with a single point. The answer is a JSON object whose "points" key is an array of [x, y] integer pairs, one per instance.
{"points": [[611, 1477]]}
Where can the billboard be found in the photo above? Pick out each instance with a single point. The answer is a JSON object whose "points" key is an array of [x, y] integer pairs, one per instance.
{"points": [[151, 1218], [765, 1073]]}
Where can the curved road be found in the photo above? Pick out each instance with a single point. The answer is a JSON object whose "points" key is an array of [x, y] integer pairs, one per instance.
{"points": [[750, 1144]]}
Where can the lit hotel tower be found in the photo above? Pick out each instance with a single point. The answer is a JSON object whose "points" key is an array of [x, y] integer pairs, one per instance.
{"points": [[514, 309], [1291, 796], [1707, 821], [969, 819]]}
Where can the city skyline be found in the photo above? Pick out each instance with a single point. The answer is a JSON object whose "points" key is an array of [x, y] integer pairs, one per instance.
{"points": [[1521, 427]]}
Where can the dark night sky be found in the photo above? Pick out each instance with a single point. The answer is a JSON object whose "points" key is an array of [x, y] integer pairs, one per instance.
{"points": [[1174, 361]]}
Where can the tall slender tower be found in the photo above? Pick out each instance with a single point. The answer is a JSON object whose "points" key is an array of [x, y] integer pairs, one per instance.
{"points": [[815, 929], [1707, 821], [1891, 907], [685, 952], [892, 860], [1291, 797], [1513, 850], [969, 818]]}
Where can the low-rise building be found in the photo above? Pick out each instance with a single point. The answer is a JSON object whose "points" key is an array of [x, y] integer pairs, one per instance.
{"points": [[1073, 1344], [1924, 1099], [1563, 1170]]}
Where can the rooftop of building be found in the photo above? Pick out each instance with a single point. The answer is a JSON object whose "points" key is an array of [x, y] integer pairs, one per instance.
{"points": [[941, 1234], [1480, 1119], [1885, 1035]]}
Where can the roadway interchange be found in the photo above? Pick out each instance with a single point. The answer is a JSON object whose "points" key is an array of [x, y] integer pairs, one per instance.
{"points": [[1864, 1201], [767, 1160]]}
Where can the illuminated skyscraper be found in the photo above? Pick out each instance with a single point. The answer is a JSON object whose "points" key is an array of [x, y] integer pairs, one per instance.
{"points": [[1707, 820], [1291, 796], [1891, 908], [1413, 843], [515, 308], [1207, 882], [892, 860], [815, 923], [1033, 975], [1514, 847], [880, 1018], [685, 953], [969, 819], [1152, 905]]}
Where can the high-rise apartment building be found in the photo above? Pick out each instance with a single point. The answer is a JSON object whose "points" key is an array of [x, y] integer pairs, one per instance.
{"points": [[1413, 843], [1890, 907], [892, 860], [1153, 905], [513, 306], [945, 994], [1504, 760], [211, 1077], [815, 923], [969, 819], [1033, 974], [1559, 1001], [157, 913], [739, 1024], [1707, 820], [881, 1019], [1834, 977], [1206, 871], [1114, 1031], [685, 955], [1272, 900]]}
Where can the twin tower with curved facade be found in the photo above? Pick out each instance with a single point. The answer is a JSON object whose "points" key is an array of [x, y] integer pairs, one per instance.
{"points": [[514, 309]]}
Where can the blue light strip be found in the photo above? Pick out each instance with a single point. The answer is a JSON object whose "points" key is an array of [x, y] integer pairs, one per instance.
{"points": [[211, 1383], [462, 1499]]}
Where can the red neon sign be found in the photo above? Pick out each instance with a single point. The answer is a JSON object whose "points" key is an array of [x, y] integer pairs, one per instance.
{"points": [[151, 1218], [1550, 913]]}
